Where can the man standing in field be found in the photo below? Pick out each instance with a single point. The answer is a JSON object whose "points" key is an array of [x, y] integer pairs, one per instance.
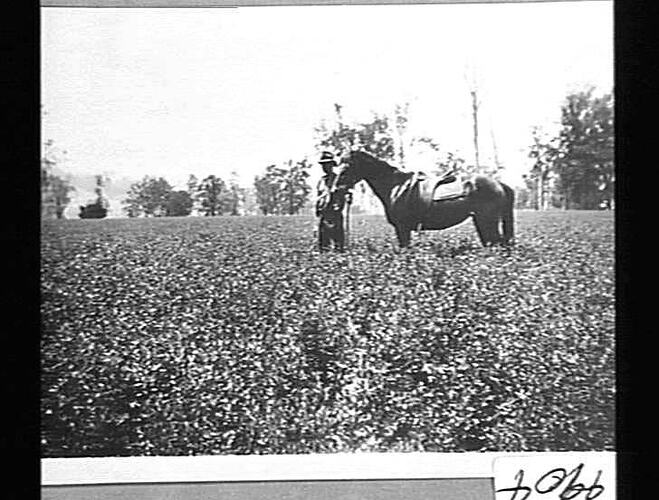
{"points": [[329, 207]]}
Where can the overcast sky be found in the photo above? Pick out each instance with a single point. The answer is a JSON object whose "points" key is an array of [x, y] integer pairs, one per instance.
{"points": [[173, 92]]}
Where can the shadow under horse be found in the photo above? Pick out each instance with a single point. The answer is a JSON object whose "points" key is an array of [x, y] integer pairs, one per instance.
{"points": [[409, 203]]}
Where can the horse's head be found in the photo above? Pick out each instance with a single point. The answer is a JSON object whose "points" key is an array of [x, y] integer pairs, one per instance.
{"points": [[350, 171]]}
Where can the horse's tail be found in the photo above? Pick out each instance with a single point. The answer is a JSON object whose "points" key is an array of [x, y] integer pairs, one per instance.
{"points": [[508, 216]]}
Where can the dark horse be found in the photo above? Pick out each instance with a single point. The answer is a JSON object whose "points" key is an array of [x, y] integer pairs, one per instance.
{"points": [[488, 201]]}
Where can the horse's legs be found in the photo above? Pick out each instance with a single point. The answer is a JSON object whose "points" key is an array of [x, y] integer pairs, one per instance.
{"points": [[404, 236], [479, 223], [487, 227], [498, 231], [508, 217]]}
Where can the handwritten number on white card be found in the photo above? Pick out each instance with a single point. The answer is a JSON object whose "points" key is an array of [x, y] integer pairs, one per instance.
{"points": [[518, 488], [528, 478]]}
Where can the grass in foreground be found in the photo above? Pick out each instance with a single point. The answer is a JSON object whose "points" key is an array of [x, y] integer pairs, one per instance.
{"points": [[233, 335]]}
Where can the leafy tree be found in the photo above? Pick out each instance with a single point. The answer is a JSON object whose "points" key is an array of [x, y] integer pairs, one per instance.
{"points": [[249, 203], [541, 179], [193, 191], [444, 161], [283, 190], [524, 194], [211, 194], [234, 195], [132, 209], [401, 113], [575, 169], [59, 194], [584, 163], [374, 137], [267, 191], [295, 189], [179, 203], [452, 162], [193, 183], [54, 189], [148, 197]]}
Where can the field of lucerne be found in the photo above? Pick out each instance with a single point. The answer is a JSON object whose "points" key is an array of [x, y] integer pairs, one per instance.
{"points": [[233, 335]]}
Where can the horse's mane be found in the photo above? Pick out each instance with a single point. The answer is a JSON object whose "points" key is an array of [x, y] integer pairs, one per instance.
{"points": [[379, 164]]}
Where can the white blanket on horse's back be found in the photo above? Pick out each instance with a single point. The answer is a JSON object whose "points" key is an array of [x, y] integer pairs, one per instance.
{"points": [[416, 194], [450, 190]]}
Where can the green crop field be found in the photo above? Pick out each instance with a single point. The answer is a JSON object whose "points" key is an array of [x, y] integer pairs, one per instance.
{"points": [[233, 335]]}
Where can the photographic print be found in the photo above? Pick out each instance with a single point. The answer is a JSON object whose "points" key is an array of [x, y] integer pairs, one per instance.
{"points": [[284, 230]]}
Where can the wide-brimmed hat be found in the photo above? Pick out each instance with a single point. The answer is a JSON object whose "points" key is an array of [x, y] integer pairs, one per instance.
{"points": [[327, 157]]}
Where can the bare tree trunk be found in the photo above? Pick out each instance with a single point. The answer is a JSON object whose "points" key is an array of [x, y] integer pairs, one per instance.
{"points": [[543, 184], [474, 107], [400, 113], [496, 152]]}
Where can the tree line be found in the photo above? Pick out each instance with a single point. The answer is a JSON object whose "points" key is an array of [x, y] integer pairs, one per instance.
{"points": [[156, 197], [281, 189], [575, 168], [571, 170]]}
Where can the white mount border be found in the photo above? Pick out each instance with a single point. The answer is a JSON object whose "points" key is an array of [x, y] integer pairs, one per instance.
{"points": [[233, 468], [254, 3]]}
